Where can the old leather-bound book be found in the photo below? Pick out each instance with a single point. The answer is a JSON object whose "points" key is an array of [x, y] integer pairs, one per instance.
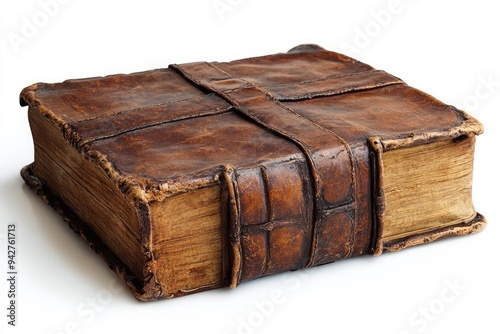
{"points": [[209, 174]]}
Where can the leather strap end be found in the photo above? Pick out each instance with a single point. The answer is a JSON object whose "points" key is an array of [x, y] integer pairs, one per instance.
{"points": [[234, 227]]}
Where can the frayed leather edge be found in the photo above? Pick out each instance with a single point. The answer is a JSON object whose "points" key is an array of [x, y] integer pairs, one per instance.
{"points": [[469, 127], [475, 225]]}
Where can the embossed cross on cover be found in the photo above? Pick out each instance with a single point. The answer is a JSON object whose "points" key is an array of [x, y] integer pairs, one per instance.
{"points": [[210, 174]]}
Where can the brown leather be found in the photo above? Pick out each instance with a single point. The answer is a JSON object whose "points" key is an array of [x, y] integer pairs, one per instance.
{"points": [[294, 231], [293, 138]]}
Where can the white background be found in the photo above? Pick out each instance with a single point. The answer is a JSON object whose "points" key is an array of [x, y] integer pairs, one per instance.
{"points": [[449, 49]]}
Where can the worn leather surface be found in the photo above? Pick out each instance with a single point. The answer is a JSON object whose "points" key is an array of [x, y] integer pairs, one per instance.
{"points": [[289, 136]]}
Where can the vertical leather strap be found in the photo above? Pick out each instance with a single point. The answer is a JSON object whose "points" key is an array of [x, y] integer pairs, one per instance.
{"points": [[330, 164]]}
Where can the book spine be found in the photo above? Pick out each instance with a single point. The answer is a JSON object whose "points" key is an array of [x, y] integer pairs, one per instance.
{"points": [[270, 223]]}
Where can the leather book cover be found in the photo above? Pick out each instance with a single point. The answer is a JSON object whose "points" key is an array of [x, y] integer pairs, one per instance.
{"points": [[293, 141]]}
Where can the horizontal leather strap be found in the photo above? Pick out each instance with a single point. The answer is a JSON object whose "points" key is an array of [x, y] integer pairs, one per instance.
{"points": [[333, 86], [113, 125]]}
